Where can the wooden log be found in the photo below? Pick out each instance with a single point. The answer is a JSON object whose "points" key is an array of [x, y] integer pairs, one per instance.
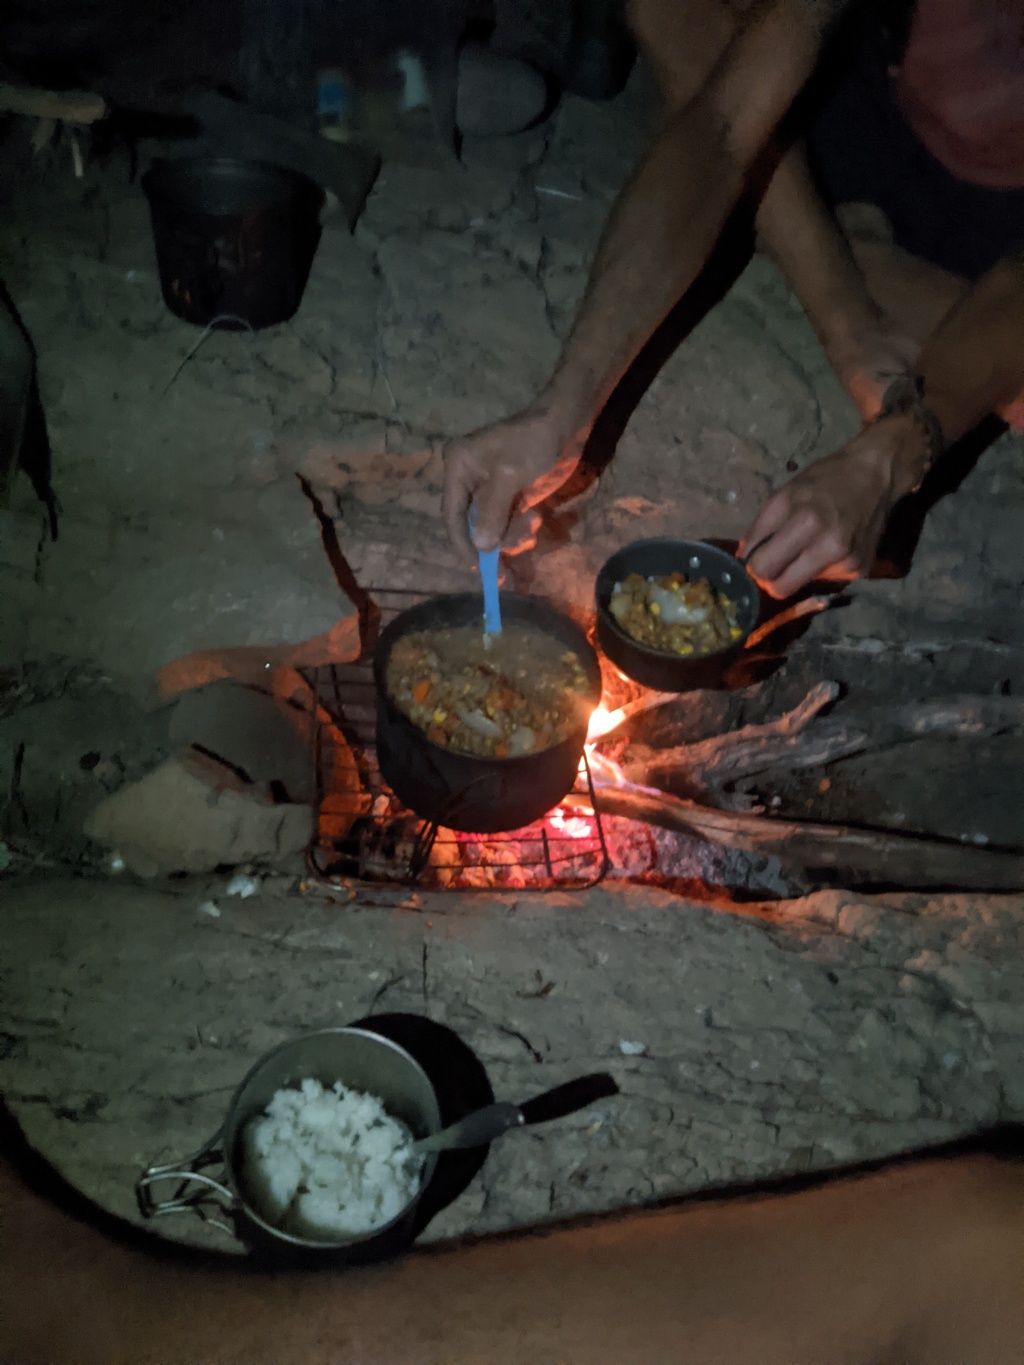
{"points": [[961, 715], [721, 764], [785, 742], [793, 742], [829, 855], [65, 106]]}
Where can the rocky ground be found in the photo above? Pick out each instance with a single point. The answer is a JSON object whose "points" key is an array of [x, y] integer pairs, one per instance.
{"points": [[183, 470], [838, 1029]]}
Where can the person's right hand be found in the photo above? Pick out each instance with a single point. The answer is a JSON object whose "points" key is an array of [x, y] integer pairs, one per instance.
{"points": [[504, 470]]}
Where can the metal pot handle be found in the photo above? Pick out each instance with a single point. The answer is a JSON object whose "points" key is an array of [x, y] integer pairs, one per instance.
{"points": [[193, 1191], [783, 618]]}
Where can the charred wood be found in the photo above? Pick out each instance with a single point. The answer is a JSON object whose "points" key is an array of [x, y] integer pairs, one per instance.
{"points": [[829, 854]]}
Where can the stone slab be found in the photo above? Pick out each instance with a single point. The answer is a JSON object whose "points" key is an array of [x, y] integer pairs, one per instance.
{"points": [[172, 821], [841, 1028]]}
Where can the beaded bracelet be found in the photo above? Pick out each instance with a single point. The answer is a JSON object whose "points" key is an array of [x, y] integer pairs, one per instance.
{"points": [[905, 395]]}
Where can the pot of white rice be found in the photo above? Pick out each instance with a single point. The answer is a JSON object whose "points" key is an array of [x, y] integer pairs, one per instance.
{"points": [[315, 1152]]}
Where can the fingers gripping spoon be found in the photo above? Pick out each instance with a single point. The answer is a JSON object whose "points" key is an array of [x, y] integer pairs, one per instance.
{"points": [[489, 578]]}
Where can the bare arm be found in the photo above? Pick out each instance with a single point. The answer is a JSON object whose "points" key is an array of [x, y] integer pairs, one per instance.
{"points": [[666, 224], [831, 517], [922, 1263], [973, 363], [657, 240], [811, 250]]}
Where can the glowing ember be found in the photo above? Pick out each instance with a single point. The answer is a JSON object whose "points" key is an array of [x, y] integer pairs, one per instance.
{"points": [[564, 822], [576, 825], [564, 848]]}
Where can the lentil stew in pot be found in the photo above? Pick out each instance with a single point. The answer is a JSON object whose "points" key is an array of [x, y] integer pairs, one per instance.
{"points": [[495, 696]]}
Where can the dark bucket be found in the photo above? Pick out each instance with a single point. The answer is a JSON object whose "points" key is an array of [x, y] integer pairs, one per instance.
{"points": [[232, 238]]}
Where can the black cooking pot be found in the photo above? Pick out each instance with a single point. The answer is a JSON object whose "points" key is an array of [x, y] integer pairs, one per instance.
{"points": [[696, 559], [234, 239], [462, 791]]}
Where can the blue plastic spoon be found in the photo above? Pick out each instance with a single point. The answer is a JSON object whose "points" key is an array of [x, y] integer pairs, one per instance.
{"points": [[489, 578]]}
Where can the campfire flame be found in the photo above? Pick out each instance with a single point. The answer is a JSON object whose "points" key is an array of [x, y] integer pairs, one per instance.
{"points": [[604, 771], [574, 820], [603, 721]]}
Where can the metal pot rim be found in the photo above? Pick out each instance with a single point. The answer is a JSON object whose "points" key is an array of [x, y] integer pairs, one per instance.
{"points": [[484, 762], [233, 1122], [220, 1150]]}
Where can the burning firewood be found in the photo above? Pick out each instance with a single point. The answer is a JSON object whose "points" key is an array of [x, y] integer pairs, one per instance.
{"points": [[817, 854], [704, 769], [707, 769]]}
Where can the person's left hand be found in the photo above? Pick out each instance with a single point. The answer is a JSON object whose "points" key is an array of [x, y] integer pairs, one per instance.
{"points": [[827, 521]]}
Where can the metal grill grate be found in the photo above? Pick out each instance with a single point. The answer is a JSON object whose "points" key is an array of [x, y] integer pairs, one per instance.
{"points": [[365, 833]]}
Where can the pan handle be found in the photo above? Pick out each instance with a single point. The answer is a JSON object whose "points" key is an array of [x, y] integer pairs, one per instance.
{"points": [[568, 1098], [191, 1190], [802, 608]]}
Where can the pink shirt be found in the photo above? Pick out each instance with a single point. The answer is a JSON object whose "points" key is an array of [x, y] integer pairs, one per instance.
{"points": [[961, 87]]}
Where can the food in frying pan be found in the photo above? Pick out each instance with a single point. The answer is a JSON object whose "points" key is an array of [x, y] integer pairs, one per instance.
{"points": [[673, 615]]}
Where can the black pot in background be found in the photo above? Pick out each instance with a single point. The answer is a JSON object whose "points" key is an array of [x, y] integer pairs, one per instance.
{"points": [[232, 237], [696, 559], [462, 791], [600, 52]]}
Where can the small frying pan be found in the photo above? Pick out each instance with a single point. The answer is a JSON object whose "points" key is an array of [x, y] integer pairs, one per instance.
{"points": [[695, 559]]}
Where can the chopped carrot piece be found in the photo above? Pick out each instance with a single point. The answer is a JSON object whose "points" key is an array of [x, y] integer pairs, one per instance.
{"points": [[421, 691], [501, 750]]}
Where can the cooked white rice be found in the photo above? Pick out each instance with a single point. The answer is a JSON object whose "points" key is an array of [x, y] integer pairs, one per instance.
{"points": [[326, 1164]]}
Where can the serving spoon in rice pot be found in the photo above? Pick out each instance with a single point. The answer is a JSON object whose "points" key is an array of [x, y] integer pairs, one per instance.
{"points": [[484, 1125]]}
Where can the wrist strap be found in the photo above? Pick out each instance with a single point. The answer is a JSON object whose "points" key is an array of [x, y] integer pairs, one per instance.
{"points": [[905, 395]]}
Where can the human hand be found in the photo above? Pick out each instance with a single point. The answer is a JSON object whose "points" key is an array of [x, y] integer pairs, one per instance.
{"points": [[505, 470], [827, 521]]}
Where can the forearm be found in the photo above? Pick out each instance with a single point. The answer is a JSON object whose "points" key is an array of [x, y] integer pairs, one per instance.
{"points": [[669, 218], [856, 1271], [658, 238], [973, 363], [811, 250], [829, 519]]}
